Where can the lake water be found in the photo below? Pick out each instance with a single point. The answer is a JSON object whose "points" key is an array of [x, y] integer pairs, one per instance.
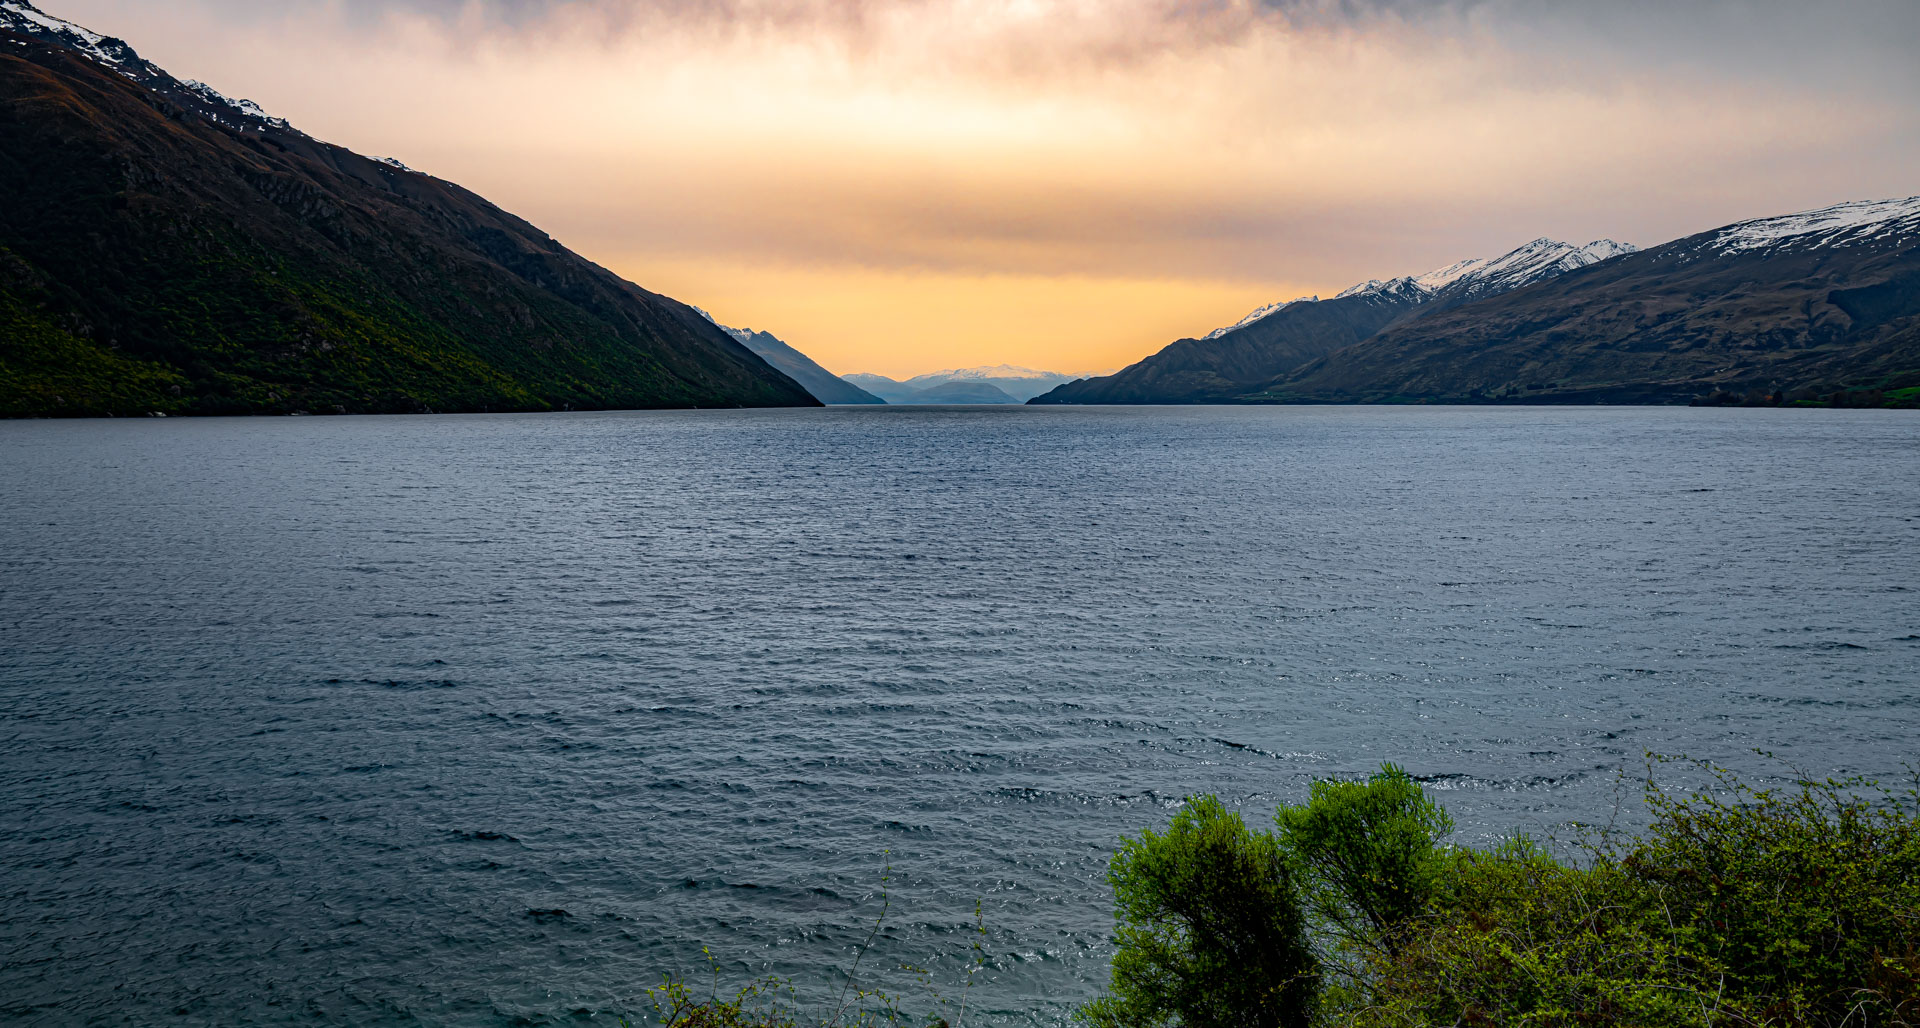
{"points": [[493, 719]]}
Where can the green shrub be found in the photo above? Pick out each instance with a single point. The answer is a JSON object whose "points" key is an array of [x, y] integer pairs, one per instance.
{"points": [[1210, 930], [1796, 908], [1368, 853], [1809, 896], [1516, 938]]}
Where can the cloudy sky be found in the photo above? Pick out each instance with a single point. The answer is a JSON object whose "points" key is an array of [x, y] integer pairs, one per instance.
{"points": [[905, 185]]}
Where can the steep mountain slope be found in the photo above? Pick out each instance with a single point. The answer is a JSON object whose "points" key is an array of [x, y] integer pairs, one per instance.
{"points": [[823, 384], [1216, 370], [1279, 338], [165, 249], [1802, 306]]}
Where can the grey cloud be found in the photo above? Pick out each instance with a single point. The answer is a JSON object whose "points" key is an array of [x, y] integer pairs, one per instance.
{"points": [[1783, 36]]}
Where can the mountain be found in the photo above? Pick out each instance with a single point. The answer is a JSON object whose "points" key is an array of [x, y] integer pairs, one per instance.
{"points": [[1279, 338], [1216, 369], [1007, 384], [823, 384], [1818, 306], [1022, 384], [937, 391], [164, 248]]}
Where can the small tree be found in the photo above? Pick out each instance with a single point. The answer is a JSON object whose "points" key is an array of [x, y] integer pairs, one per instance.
{"points": [[1368, 853], [1210, 930]]}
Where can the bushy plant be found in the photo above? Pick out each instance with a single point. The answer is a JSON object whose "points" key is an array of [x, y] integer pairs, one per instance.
{"points": [[1797, 908], [1514, 937], [1369, 854], [1808, 896], [1210, 929]]}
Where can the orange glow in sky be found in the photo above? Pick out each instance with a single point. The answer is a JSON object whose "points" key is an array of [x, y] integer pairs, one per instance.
{"points": [[900, 186]]}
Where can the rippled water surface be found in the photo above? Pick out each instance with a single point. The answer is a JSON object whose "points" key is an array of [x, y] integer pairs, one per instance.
{"points": [[490, 720]]}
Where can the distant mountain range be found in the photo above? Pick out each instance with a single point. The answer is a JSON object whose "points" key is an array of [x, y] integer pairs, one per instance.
{"points": [[1821, 307], [822, 383], [1001, 383], [164, 248]]}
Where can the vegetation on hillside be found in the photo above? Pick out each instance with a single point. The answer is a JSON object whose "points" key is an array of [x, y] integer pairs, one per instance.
{"points": [[152, 260]]}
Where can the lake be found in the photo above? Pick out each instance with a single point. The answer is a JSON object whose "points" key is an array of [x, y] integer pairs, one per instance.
{"points": [[493, 719]]}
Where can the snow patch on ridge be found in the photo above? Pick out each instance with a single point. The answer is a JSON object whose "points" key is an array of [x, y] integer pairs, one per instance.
{"points": [[1440, 278], [1474, 277], [18, 14], [1842, 224], [1541, 259], [740, 335], [1268, 310], [245, 108], [22, 17]]}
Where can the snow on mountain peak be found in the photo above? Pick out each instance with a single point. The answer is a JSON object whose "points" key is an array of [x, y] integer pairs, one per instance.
{"points": [[1843, 223], [1263, 312], [1536, 261], [740, 335], [1374, 285], [986, 372], [241, 115], [1440, 278], [21, 16], [245, 108]]}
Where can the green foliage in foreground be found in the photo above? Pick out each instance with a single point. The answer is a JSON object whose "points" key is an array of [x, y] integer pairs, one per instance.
{"points": [[1738, 906], [1210, 929]]}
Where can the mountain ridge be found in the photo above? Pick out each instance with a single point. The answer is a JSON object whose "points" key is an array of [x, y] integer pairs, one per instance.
{"points": [[824, 385], [169, 250], [1003, 383], [1816, 306]]}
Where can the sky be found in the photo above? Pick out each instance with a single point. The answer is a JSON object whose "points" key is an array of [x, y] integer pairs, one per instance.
{"points": [[902, 186]]}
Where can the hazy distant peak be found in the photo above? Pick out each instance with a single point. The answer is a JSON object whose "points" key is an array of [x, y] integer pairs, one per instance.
{"points": [[984, 372]]}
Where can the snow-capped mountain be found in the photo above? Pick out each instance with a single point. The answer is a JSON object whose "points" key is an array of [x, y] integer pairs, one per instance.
{"points": [[1471, 279], [1258, 313], [985, 373], [22, 17], [1817, 307], [1842, 224], [1537, 261], [1476, 277], [240, 115]]}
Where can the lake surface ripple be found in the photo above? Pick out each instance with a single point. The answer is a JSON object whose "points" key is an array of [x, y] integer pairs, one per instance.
{"points": [[492, 719]]}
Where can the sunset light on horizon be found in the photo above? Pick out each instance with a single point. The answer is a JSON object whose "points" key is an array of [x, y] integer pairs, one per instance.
{"points": [[901, 187]]}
